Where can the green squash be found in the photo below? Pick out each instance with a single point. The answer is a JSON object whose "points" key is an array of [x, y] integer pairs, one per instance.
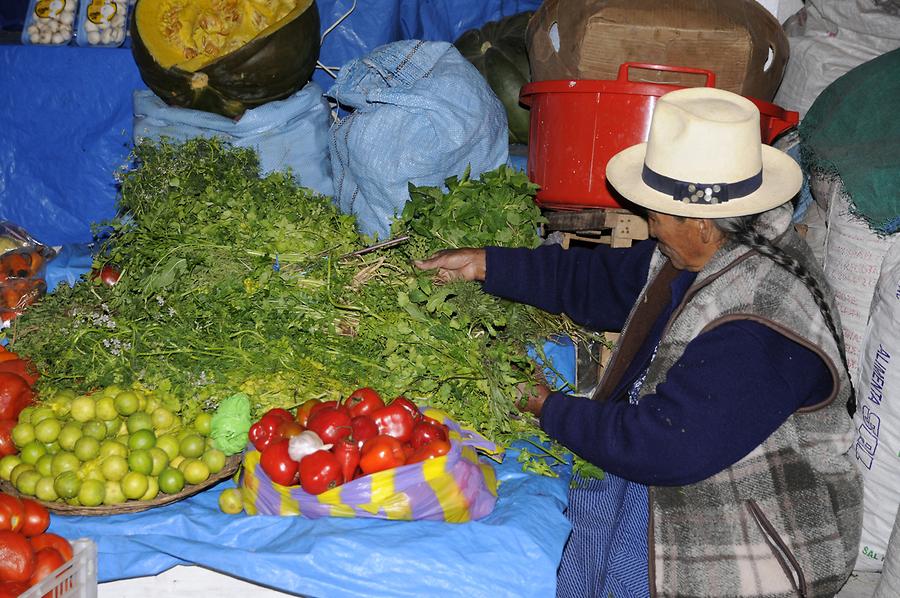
{"points": [[498, 51], [253, 58]]}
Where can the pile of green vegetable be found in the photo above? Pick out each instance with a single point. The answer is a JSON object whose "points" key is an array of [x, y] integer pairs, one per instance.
{"points": [[231, 282]]}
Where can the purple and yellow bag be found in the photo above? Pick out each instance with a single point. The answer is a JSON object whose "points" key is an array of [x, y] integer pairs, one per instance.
{"points": [[458, 487]]}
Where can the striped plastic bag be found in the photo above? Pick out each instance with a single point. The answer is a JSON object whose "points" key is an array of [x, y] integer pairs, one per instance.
{"points": [[457, 487]]}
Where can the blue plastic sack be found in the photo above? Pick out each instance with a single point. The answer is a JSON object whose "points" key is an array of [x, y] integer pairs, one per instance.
{"points": [[290, 133], [421, 113]]}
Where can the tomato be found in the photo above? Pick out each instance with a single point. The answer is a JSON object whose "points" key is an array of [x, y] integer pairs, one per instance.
{"points": [[7, 446], [432, 450], [394, 420], [427, 431], [381, 453], [364, 427], [15, 395], [12, 589], [330, 423], [109, 274], [304, 409], [319, 472], [278, 465], [16, 557], [53, 541], [409, 406], [21, 367], [12, 513], [37, 518], [347, 453], [46, 561], [363, 401]]}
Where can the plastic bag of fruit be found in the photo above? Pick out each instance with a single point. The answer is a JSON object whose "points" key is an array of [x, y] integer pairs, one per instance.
{"points": [[443, 480], [22, 265]]}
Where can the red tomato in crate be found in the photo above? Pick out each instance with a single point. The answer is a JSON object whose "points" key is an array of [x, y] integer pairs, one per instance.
{"points": [[12, 589], [37, 518], [46, 561], [16, 557], [53, 541], [319, 472], [363, 401], [7, 446], [394, 420], [278, 465], [381, 453], [330, 423], [12, 513]]}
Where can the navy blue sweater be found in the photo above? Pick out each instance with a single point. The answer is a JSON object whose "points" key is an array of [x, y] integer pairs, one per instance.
{"points": [[733, 386]]}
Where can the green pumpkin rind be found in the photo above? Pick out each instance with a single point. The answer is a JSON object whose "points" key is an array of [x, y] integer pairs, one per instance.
{"points": [[266, 69], [499, 53]]}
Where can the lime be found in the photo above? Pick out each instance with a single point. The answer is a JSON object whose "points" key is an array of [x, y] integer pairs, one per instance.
{"points": [[19, 470], [113, 426], [140, 420], [105, 408], [114, 467], [160, 460], [25, 415], [92, 493], [171, 481], [183, 463], [126, 402], [168, 443], [111, 391], [151, 405], [134, 485], [27, 482], [203, 423], [84, 408], [90, 470], [162, 418], [65, 461], [40, 414], [94, 428], [44, 465], [32, 451], [192, 445], [69, 435], [73, 502], [52, 447], [67, 484], [230, 501], [87, 448], [214, 459], [113, 494], [47, 430], [22, 434], [177, 461], [184, 433], [140, 461], [61, 405], [196, 471], [152, 488], [142, 439], [113, 447], [44, 490], [7, 464]]}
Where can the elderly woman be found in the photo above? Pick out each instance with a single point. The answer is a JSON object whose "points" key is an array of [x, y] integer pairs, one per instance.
{"points": [[722, 419]]}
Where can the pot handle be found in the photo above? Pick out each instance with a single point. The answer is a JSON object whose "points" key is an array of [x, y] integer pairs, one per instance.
{"points": [[623, 71]]}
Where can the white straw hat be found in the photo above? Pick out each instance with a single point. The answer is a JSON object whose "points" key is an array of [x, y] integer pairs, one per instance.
{"points": [[704, 159]]}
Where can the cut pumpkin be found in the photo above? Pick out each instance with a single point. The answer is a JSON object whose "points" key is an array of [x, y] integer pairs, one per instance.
{"points": [[225, 56]]}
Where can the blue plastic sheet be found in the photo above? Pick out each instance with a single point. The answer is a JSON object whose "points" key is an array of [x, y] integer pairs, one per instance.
{"points": [[514, 551]]}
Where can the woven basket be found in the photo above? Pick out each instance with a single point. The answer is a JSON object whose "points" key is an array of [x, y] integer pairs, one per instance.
{"points": [[232, 464]]}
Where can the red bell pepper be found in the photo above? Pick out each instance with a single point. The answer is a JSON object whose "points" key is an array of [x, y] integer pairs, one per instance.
{"points": [[381, 453], [432, 450], [409, 406], [427, 431], [363, 401], [265, 432], [364, 427], [394, 420], [277, 463], [330, 423]]}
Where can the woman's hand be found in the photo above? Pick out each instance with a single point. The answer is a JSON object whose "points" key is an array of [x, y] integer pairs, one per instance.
{"points": [[531, 397], [456, 264]]}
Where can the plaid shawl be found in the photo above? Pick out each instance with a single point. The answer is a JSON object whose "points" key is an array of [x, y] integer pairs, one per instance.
{"points": [[784, 520]]}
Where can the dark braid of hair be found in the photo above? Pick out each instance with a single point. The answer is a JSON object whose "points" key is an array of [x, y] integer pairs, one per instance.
{"points": [[741, 230]]}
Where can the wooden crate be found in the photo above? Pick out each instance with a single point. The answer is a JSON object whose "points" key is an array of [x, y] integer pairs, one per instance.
{"points": [[611, 226]]}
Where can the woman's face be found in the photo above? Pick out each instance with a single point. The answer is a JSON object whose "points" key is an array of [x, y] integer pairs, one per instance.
{"points": [[687, 242]]}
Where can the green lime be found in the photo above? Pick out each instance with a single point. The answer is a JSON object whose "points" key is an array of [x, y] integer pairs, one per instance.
{"points": [[40, 414], [114, 467], [113, 426], [140, 461], [67, 484], [203, 423], [7, 464], [90, 470], [69, 435], [111, 391], [44, 465], [231, 501], [73, 502], [87, 448], [196, 471], [105, 408], [162, 419], [27, 482], [92, 493], [44, 489], [47, 430], [126, 402], [214, 459], [152, 488], [139, 421], [65, 461], [62, 405], [113, 447], [168, 443], [25, 415], [22, 434], [142, 439], [52, 447], [113, 494], [134, 485], [171, 481], [160, 460], [84, 408], [151, 405], [32, 451], [183, 433], [19, 470], [177, 462], [95, 428], [192, 445]]}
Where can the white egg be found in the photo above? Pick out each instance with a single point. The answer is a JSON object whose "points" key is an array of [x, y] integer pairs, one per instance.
{"points": [[67, 18], [93, 37]]}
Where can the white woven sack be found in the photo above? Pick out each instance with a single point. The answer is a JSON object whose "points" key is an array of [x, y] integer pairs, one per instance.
{"points": [[889, 583], [878, 416]]}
